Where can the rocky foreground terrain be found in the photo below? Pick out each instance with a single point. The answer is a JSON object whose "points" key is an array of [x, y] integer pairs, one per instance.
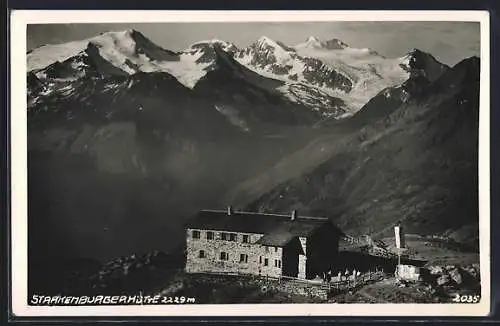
{"points": [[157, 273]]}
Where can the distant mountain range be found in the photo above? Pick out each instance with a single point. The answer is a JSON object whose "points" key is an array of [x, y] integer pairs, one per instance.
{"points": [[126, 139], [311, 80]]}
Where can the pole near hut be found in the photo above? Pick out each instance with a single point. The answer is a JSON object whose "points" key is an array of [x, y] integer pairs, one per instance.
{"points": [[400, 243], [399, 235]]}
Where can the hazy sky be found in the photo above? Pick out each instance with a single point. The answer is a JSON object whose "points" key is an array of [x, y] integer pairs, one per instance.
{"points": [[449, 42]]}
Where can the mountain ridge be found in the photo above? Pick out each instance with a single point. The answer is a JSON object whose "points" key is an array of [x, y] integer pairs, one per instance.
{"points": [[129, 51]]}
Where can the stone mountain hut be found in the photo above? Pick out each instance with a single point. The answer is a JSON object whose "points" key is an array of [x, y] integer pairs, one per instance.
{"points": [[260, 244]]}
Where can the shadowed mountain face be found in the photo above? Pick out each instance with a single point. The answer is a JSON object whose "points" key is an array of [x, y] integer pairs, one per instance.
{"points": [[417, 164], [250, 96]]}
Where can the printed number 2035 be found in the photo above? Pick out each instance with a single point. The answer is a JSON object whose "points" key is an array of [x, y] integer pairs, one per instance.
{"points": [[466, 298]]}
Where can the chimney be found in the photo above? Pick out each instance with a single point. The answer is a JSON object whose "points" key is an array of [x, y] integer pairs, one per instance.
{"points": [[229, 210], [294, 215]]}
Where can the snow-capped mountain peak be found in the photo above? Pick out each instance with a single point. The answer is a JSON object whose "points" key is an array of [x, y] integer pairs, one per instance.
{"points": [[313, 42], [333, 44], [115, 47], [264, 40], [265, 52], [418, 62], [278, 61], [126, 52], [312, 39], [212, 41], [224, 45], [266, 43], [123, 34], [324, 68], [417, 54]]}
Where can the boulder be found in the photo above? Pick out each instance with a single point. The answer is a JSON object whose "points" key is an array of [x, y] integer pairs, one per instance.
{"points": [[436, 270], [449, 267], [456, 276], [443, 279], [472, 271]]}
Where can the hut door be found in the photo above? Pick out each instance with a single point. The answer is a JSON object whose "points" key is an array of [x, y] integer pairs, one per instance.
{"points": [[290, 262]]}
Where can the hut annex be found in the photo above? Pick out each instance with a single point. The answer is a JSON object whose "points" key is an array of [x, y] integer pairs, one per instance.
{"points": [[260, 244]]}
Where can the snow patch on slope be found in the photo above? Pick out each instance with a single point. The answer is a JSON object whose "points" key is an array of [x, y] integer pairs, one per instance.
{"points": [[232, 116], [225, 46], [187, 70], [314, 98]]}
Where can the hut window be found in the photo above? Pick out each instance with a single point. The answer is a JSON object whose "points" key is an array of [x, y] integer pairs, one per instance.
{"points": [[201, 254], [266, 262], [196, 234], [224, 256], [232, 236], [210, 235], [245, 238], [243, 258]]}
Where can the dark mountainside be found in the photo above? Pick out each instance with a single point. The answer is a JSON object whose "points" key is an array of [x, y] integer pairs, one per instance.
{"points": [[417, 165], [118, 162]]}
